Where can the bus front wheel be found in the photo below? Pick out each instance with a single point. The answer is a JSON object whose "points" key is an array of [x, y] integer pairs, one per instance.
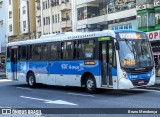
{"points": [[31, 80], [90, 84]]}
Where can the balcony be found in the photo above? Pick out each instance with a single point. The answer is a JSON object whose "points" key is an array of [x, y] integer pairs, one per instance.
{"points": [[65, 6], [66, 24]]}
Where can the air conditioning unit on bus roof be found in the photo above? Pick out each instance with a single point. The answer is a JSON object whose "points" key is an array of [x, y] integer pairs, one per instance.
{"points": [[59, 34]]}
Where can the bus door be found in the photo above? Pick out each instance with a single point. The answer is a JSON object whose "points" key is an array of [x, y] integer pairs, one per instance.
{"points": [[107, 62], [14, 59]]}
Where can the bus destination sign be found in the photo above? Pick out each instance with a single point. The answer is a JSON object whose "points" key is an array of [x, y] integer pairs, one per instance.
{"points": [[132, 36]]}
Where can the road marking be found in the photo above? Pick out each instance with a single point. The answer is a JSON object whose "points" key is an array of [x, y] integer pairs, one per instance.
{"points": [[80, 94], [51, 101], [4, 80], [24, 88]]}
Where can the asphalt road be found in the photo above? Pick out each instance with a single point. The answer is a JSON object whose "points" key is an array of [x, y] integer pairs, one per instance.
{"points": [[17, 95]]}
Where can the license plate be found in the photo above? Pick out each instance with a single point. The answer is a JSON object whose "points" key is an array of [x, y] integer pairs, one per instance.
{"points": [[141, 82]]}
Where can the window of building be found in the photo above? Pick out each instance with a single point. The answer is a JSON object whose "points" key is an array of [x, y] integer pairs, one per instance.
{"points": [[48, 20], [44, 54], [24, 10], [151, 19], [10, 27], [39, 22], [86, 49], [44, 21], [157, 16], [53, 51], [46, 4], [1, 23], [23, 53], [1, 4], [36, 52], [52, 18], [43, 5], [58, 18], [119, 5], [146, 19], [24, 25], [10, 14], [9, 2], [55, 18]]}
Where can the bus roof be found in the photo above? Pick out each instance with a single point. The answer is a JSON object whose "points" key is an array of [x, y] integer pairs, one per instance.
{"points": [[69, 36]]}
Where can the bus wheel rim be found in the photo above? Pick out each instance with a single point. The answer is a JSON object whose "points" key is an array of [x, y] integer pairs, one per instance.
{"points": [[31, 80], [90, 84]]}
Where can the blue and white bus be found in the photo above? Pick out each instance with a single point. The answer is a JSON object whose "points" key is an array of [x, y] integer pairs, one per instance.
{"points": [[119, 59]]}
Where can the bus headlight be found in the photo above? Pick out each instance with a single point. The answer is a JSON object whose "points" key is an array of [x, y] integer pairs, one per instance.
{"points": [[125, 74], [153, 71]]}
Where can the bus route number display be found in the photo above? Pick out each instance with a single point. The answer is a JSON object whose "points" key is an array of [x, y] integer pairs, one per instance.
{"points": [[129, 62], [132, 36]]}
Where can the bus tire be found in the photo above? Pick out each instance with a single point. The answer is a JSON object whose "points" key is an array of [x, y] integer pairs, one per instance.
{"points": [[90, 84], [31, 80]]}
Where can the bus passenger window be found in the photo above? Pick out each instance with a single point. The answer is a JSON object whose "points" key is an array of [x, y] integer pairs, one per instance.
{"points": [[86, 49], [36, 52], [74, 50], [29, 52], [44, 54], [69, 51], [23, 53], [62, 50], [53, 52]]}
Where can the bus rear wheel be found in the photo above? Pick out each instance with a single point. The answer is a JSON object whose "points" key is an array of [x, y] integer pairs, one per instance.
{"points": [[90, 84], [31, 80]]}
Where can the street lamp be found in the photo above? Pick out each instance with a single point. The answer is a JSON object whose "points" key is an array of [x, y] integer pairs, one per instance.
{"points": [[29, 33]]}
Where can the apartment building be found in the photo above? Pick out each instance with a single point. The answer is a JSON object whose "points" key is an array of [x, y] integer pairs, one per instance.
{"points": [[3, 36], [53, 16], [93, 15], [21, 20]]}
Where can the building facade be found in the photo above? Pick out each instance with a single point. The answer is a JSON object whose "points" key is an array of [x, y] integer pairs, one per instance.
{"points": [[148, 17], [53, 16], [3, 35], [27, 20], [21, 20], [93, 15], [13, 20]]}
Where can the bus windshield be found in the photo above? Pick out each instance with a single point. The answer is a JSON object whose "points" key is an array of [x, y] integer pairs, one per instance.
{"points": [[135, 53]]}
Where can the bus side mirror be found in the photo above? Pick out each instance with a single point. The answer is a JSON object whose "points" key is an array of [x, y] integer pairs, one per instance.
{"points": [[117, 45]]}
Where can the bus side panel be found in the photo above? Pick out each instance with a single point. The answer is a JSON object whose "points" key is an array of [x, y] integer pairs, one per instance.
{"points": [[22, 68], [9, 70], [70, 72], [40, 70]]}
